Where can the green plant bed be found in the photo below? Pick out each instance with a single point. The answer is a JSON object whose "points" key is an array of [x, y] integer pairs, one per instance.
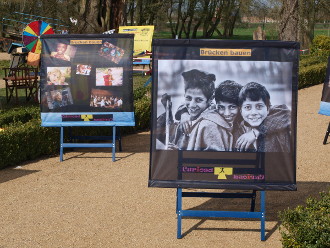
{"points": [[312, 75], [19, 114], [307, 226], [3, 64], [21, 142]]}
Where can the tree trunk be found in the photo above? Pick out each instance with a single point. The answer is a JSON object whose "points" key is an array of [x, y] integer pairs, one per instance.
{"points": [[289, 25], [98, 16], [116, 13], [306, 22]]}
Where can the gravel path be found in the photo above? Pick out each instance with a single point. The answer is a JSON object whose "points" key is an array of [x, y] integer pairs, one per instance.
{"points": [[89, 201]]}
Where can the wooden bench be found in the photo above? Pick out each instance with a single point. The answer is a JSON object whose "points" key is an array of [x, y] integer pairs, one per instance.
{"points": [[21, 78]]}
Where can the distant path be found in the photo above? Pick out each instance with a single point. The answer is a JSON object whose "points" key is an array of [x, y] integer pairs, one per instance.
{"points": [[4, 56]]}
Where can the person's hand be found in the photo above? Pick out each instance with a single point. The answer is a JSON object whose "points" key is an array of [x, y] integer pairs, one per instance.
{"points": [[245, 140], [186, 123], [172, 146]]}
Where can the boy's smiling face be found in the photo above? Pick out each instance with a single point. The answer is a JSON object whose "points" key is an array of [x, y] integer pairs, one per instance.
{"points": [[196, 102], [61, 48], [254, 112], [228, 111]]}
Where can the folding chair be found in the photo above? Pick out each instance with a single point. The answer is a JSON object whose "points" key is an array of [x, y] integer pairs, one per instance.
{"points": [[21, 78]]}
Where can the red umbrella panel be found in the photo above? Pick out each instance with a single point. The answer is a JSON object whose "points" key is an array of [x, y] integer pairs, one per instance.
{"points": [[31, 35]]}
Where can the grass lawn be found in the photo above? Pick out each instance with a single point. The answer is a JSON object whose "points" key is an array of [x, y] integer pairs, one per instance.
{"points": [[245, 32]]}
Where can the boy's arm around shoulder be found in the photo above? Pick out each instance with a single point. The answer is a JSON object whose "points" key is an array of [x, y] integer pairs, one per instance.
{"points": [[279, 118]]}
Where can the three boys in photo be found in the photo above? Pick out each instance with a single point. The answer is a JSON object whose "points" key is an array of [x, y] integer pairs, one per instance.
{"points": [[242, 119]]}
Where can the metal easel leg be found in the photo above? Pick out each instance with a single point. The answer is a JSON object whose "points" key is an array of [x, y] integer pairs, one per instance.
{"points": [[326, 135]]}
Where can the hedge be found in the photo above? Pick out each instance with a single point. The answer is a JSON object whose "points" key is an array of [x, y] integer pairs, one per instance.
{"points": [[307, 60], [312, 75], [25, 141], [307, 226], [320, 46], [21, 114]]}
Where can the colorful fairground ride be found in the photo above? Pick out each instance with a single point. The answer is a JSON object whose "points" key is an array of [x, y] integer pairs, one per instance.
{"points": [[24, 30]]}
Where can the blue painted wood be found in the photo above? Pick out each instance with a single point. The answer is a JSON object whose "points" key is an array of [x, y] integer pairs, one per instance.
{"points": [[216, 214], [178, 212], [61, 144], [83, 145], [263, 212], [89, 145], [113, 144]]}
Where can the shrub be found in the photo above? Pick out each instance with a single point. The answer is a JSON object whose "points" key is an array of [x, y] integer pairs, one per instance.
{"points": [[312, 75], [21, 142], [307, 60], [307, 226], [320, 46], [22, 114], [142, 113], [141, 92]]}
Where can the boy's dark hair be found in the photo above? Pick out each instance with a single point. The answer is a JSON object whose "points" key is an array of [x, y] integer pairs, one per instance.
{"points": [[228, 91], [198, 79], [255, 92]]}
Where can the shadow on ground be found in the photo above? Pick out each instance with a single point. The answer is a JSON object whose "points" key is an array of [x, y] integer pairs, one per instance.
{"points": [[11, 174]]}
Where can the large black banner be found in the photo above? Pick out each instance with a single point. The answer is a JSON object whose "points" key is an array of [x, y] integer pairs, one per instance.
{"points": [[224, 114], [325, 100], [86, 80]]}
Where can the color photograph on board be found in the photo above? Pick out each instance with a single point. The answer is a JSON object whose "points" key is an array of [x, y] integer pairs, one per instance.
{"points": [[64, 52], [106, 99], [111, 52], [83, 69], [112, 76], [58, 75], [59, 98]]}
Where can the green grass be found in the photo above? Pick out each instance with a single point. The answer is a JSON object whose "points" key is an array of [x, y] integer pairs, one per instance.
{"points": [[3, 63], [244, 31]]}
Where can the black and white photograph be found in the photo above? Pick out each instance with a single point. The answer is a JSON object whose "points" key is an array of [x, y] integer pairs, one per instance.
{"points": [[216, 105]]}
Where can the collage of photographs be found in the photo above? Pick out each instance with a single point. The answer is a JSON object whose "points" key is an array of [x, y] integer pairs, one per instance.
{"points": [[101, 80]]}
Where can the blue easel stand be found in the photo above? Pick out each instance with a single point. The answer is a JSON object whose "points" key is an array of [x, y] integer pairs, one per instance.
{"points": [[89, 145], [231, 214], [326, 135]]}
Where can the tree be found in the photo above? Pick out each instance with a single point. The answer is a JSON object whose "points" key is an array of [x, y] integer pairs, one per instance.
{"points": [[97, 16], [288, 26], [299, 18]]}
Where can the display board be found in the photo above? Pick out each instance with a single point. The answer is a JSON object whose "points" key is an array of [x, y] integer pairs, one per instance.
{"points": [[224, 114], [86, 80], [142, 37], [325, 100]]}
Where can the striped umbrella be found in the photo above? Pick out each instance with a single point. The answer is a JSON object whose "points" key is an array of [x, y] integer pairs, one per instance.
{"points": [[31, 35]]}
